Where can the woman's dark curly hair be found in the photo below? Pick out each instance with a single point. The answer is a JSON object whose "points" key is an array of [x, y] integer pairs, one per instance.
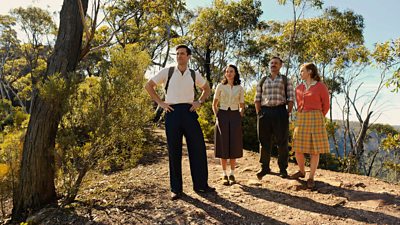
{"points": [[236, 79]]}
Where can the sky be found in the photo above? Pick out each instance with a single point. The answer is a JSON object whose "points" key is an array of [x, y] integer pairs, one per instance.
{"points": [[380, 20]]}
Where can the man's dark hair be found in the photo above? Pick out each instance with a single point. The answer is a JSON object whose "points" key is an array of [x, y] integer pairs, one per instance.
{"points": [[276, 57], [188, 50]]}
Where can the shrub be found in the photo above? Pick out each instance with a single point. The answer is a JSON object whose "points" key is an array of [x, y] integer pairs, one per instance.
{"points": [[105, 123]]}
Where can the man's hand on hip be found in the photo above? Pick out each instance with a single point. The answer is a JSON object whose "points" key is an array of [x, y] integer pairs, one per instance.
{"points": [[195, 106], [166, 107]]}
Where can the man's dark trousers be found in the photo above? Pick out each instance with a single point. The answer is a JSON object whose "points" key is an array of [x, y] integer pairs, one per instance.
{"points": [[273, 122], [178, 123]]}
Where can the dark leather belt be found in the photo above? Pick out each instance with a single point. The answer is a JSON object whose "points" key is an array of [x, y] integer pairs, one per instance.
{"points": [[273, 107]]}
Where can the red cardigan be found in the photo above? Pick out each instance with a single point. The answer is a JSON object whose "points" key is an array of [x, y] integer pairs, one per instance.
{"points": [[315, 98]]}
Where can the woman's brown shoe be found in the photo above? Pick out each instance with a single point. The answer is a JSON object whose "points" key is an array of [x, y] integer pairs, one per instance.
{"points": [[297, 175], [310, 183]]}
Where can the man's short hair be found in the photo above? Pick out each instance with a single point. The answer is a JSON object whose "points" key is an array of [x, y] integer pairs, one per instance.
{"points": [[188, 50], [276, 57]]}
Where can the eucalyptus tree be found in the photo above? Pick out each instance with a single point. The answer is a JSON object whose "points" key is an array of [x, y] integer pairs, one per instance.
{"points": [[386, 59], [9, 46], [220, 32], [348, 78], [393, 63], [36, 23], [148, 23], [36, 180], [39, 30], [299, 8], [14, 83], [392, 145], [364, 105], [385, 134]]}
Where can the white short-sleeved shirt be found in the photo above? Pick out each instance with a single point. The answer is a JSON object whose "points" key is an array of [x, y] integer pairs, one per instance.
{"points": [[229, 96], [180, 87]]}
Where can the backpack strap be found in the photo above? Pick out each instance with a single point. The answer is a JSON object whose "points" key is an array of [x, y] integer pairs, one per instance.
{"points": [[285, 85], [284, 78], [261, 83], [193, 74], [171, 71]]}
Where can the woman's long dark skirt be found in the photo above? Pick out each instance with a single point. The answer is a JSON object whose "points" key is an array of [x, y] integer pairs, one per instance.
{"points": [[228, 138]]}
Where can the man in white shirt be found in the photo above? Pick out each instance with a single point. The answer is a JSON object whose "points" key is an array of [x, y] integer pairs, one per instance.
{"points": [[181, 120]]}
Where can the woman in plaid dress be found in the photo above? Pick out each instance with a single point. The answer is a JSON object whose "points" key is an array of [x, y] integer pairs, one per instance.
{"points": [[310, 135]]}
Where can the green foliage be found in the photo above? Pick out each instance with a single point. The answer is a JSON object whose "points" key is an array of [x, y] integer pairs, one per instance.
{"points": [[314, 3], [392, 145], [5, 113], [35, 22], [207, 120], [394, 81], [383, 129], [333, 41], [330, 162], [22, 63], [334, 85], [11, 143], [387, 57], [55, 89], [331, 127], [10, 116], [392, 142], [105, 124], [8, 36], [147, 23], [250, 138], [220, 32]]}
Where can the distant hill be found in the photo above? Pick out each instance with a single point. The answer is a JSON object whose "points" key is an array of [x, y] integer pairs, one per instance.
{"points": [[356, 125]]}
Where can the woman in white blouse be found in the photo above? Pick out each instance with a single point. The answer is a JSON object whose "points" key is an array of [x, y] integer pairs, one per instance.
{"points": [[228, 107]]}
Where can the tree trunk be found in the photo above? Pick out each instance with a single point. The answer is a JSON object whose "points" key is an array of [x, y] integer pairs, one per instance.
{"points": [[36, 182], [292, 39], [359, 146], [207, 68], [372, 163]]}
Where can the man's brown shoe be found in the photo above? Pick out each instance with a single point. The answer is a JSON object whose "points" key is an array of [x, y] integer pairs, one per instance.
{"points": [[310, 183]]}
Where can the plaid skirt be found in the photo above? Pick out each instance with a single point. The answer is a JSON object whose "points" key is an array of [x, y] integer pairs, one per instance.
{"points": [[310, 134]]}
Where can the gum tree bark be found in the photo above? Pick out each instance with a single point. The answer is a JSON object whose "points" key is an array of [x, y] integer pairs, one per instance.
{"points": [[36, 187]]}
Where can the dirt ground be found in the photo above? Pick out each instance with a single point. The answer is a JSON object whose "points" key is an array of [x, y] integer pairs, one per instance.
{"points": [[141, 196]]}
